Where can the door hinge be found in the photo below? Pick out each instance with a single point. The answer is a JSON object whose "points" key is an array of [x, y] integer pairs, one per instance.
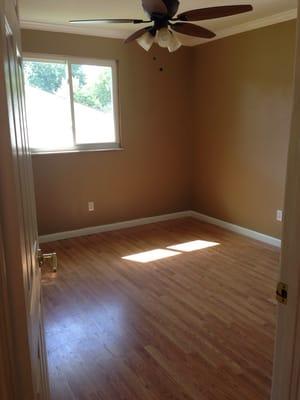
{"points": [[282, 293]]}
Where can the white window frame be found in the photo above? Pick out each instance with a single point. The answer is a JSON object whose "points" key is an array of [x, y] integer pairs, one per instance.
{"points": [[113, 64]]}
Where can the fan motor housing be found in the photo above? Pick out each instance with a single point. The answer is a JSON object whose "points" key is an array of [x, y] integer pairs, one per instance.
{"points": [[160, 21], [172, 6]]}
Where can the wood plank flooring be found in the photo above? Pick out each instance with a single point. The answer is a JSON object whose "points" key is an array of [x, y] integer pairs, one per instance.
{"points": [[198, 325]]}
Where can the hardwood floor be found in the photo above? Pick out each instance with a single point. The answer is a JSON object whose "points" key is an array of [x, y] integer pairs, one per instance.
{"points": [[198, 325]]}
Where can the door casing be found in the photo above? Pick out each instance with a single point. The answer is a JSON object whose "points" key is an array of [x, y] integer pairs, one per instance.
{"points": [[23, 369], [286, 375], [15, 371]]}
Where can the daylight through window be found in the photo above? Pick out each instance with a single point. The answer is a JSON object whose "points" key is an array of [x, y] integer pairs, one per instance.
{"points": [[71, 104]]}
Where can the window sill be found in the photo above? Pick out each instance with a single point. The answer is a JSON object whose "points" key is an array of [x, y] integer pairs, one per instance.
{"points": [[74, 151]]}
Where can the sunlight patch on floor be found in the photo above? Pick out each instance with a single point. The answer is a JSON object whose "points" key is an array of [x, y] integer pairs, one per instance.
{"points": [[152, 255], [193, 246]]}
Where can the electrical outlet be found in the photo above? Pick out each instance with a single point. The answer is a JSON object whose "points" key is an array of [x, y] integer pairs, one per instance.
{"points": [[279, 215], [91, 206]]}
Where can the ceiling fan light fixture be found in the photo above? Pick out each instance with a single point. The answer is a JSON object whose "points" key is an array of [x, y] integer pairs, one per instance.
{"points": [[164, 20], [146, 41], [174, 43], [163, 37]]}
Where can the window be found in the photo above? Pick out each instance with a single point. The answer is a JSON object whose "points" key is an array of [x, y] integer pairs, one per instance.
{"points": [[71, 104]]}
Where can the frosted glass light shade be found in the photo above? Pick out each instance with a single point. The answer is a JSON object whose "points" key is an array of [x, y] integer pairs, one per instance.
{"points": [[146, 41], [163, 37], [174, 43]]}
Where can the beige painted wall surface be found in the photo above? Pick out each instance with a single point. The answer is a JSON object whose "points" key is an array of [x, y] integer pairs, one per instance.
{"points": [[152, 175], [232, 96], [242, 125]]}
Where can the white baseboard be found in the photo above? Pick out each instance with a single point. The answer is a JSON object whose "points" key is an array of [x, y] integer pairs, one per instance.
{"points": [[166, 217], [237, 229], [112, 227]]}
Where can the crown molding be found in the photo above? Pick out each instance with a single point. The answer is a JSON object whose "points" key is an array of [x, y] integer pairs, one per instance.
{"points": [[78, 30], [259, 23], [252, 25], [117, 34]]}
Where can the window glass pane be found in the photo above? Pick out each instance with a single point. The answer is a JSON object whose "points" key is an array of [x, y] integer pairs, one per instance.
{"points": [[48, 105], [93, 104]]}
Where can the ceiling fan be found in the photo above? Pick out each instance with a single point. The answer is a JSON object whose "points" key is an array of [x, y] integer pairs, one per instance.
{"points": [[164, 22]]}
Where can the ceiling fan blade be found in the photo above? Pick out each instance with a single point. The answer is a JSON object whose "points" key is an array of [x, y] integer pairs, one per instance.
{"points": [[137, 34], [193, 30], [214, 12], [154, 7], [107, 21]]}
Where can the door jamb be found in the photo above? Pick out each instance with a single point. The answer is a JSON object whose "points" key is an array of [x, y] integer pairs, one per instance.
{"points": [[286, 370]]}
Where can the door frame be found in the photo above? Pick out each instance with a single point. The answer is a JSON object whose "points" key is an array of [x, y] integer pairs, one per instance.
{"points": [[286, 377], [286, 371], [8, 365], [17, 378]]}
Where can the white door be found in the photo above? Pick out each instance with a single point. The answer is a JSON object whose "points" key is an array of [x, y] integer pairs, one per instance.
{"points": [[18, 224], [286, 378]]}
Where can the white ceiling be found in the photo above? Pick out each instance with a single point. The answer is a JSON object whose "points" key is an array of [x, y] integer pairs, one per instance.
{"points": [[55, 14]]}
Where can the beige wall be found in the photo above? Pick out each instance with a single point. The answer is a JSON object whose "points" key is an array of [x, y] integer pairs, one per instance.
{"points": [[210, 133], [152, 175], [243, 109]]}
